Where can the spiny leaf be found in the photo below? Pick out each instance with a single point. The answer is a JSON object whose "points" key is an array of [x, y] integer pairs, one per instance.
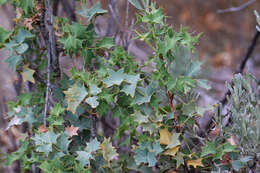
{"points": [[27, 74], [114, 78], [74, 96], [93, 11], [209, 148], [136, 4], [22, 48], [63, 141], [93, 145], [109, 152], [130, 89], [165, 136], [72, 131], [105, 42], [94, 90], [13, 61], [4, 35], [92, 101], [195, 163], [83, 157], [172, 151]]}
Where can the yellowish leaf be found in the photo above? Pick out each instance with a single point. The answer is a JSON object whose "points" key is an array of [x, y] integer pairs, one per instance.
{"points": [[172, 151], [165, 136], [27, 74], [195, 163]]}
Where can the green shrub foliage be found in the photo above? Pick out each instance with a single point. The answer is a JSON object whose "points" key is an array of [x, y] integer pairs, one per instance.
{"points": [[157, 109]]}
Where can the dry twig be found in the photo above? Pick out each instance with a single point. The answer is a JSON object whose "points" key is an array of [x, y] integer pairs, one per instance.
{"points": [[234, 9]]}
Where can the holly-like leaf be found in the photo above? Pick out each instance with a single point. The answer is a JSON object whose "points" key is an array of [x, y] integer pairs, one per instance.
{"points": [[92, 146], [179, 159], [44, 141], [92, 101], [14, 121], [209, 148], [140, 118], [203, 84], [63, 142], [93, 11], [130, 89], [83, 157], [22, 48], [193, 69], [172, 151], [195, 163], [22, 35], [114, 78], [74, 96], [57, 109], [105, 42], [174, 140], [108, 151], [72, 131], [4, 35], [136, 4], [165, 136], [13, 61], [27, 74], [94, 90], [143, 95]]}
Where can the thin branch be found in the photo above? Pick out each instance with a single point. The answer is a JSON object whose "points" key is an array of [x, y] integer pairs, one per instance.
{"points": [[249, 52], [51, 52], [234, 9], [126, 26]]}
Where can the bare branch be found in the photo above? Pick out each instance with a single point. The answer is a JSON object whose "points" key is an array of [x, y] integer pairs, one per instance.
{"points": [[234, 9], [126, 43], [51, 52], [249, 52]]}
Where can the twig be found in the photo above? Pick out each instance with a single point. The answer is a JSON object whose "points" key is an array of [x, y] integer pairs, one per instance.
{"points": [[51, 53], [249, 52], [234, 9], [126, 43]]}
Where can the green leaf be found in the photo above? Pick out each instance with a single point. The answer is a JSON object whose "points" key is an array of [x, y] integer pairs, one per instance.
{"points": [[174, 140], [108, 151], [57, 109], [143, 95], [193, 69], [63, 142], [140, 118], [236, 165], [105, 42], [136, 4], [130, 89], [94, 90], [44, 141], [74, 96], [203, 84], [4, 35], [22, 48], [114, 78], [3, 2], [93, 11], [83, 157], [93, 145], [189, 108], [22, 35], [209, 148], [13, 61], [92, 101]]}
